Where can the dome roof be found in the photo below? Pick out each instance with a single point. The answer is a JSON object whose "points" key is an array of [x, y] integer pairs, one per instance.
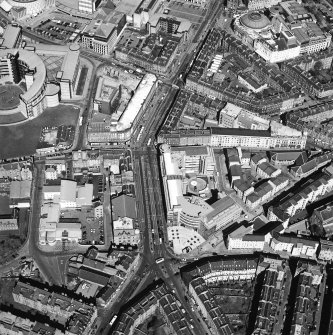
{"points": [[255, 20]]}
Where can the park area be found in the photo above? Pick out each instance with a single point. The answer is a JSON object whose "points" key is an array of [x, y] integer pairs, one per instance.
{"points": [[21, 140]]}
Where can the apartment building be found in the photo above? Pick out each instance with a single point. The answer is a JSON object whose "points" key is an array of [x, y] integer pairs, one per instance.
{"points": [[300, 196], [311, 282], [155, 299], [79, 315], [235, 137], [274, 294], [296, 246]]}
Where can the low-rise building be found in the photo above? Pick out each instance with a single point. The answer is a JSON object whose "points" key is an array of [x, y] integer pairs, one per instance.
{"points": [[311, 165], [237, 240], [8, 224], [266, 170], [284, 158]]}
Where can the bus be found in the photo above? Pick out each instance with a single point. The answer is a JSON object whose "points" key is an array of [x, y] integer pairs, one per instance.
{"points": [[113, 320], [159, 260]]}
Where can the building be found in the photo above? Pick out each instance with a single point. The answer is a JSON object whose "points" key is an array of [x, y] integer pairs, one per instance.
{"points": [[143, 13], [155, 299], [284, 158], [224, 211], [124, 221], [200, 278], [32, 7], [79, 315], [101, 34], [273, 297], [28, 65], [311, 165], [51, 230], [186, 173], [326, 251], [101, 132], [299, 197], [88, 6], [11, 37], [236, 137], [11, 324], [211, 310], [311, 281], [156, 53], [240, 239], [296, 246], [21, 64], [310, 84], [197, 81], [8, 224], [261, 4], [321, 221]]}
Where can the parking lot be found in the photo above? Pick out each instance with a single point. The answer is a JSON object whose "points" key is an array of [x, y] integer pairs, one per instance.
{"points": [[92, 228], [54, 29], [191, 12]]}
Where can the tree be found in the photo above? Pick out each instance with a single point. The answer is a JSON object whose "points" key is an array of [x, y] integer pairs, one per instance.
{"points": [[318, 66]]}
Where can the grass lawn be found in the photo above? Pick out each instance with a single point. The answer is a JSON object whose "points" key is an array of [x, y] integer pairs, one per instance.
{"points": [[22, 140], [9, 96]]}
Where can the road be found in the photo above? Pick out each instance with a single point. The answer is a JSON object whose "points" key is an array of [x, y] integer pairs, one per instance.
{"points": [[151, 211]]}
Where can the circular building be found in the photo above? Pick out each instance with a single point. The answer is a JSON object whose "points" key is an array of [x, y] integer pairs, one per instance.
{"points": [[33, 7], [255, 21], [23, 85]]}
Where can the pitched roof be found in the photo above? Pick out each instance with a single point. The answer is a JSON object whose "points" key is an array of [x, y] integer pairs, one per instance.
{"points": [[124, 206], [285, 156], [94, 276]]}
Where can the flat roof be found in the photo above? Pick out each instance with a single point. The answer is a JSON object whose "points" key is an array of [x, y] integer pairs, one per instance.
{"points": [[10, 36], [68, 190], [127, 118], [240, 132], [68, 66]]}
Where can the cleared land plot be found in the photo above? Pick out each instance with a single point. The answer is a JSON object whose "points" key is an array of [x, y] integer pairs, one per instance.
{"points": [[22, 140]]}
